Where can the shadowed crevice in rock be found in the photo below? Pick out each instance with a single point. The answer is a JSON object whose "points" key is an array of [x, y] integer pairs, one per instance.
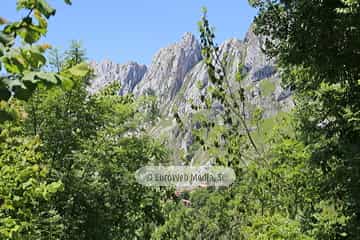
{"points": [[266, 71]]}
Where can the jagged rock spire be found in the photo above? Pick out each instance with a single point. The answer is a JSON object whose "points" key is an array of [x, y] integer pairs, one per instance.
{"points": [[106, 72], [169, 66]]}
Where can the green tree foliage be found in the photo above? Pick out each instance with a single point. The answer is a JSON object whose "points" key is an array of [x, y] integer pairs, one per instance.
{"points": [[21, 64], [67, 158], [95, 148], [277, 200], [279, 194], [75, 54], [62, 115], [87, 190], [104, 200], [317, 45], [225, 135], [26, 192], [351, 7]]}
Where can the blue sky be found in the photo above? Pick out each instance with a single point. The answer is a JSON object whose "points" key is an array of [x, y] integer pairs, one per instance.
{"points": [[124, 30]]}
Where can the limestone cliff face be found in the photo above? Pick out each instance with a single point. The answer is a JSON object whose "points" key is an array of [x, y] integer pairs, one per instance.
{"points": [[167, 71], [178, 77], [262, 82], [106, 72], [196, 81]]}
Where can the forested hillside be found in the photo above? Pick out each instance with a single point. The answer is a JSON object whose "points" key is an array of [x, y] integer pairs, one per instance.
{"points": [[280, 108]]}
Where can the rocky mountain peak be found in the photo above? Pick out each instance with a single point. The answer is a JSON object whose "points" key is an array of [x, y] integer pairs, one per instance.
{"points": [[106, 72], [169, 66], [178, 78], [260, 67], [177, 71], [188, 39], [230, 44]]}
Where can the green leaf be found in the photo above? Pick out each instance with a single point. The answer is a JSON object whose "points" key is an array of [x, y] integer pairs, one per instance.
{"points": [[30, 34], [6, 39], [35, 77], [47, 77], [45, 8], [11, 83], [54, 187], [66, 83], [13, 65], [21, 4], [80, 70], [41, 20], [34, 57], [30, 77]]}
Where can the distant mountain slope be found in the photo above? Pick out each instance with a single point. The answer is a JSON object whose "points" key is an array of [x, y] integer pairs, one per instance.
{"points": [[106, 72], [177, 71], [178, 77], [166, 74]]}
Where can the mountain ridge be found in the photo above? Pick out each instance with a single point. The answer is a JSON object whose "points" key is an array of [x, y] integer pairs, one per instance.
{"points": [[178, 77], [176, 66]]}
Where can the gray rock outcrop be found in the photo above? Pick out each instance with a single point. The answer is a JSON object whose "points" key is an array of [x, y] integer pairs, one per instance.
{"points": [[167, 71], [178, 77], [106, 72]]}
